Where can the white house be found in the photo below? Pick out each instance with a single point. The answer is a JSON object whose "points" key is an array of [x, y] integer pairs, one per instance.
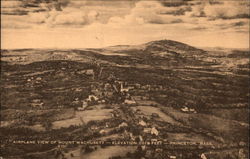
{"points": [[92, 97], [154, 131], [123, 124], [127, 101], [185, 109], [203, 156], [142, 123]]}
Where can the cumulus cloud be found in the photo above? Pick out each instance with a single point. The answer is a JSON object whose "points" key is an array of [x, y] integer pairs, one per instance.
{"points": [[69, 17], [210, 15], [151, 12], [62, 13], [207, 15], [65, 13], [222, 10]]}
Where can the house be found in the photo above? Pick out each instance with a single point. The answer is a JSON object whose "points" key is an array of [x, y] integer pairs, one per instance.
{"points": [[185, 109], [89, 72], [106, 125], [38, 78], [142, 123], [86, 72], [37, 103], [203, 156], [123, 124], [103, 131], [147, 130], [154, 131], [192, 110], [80, 108], [140, 138], [131, 136], [92, 98], [123, 89], [94, 127], [128, 101]]}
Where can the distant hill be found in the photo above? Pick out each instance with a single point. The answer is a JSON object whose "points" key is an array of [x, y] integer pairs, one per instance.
{"points": [[160, 46], [169, 45]]}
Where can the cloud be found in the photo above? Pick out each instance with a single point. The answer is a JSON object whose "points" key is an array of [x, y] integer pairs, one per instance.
{"points": [[123, 22], [149, 12], [176, 10], [12, 8], [69, 17], [211, 15], [11, 4], [222, 10], [62, 13], [175, 3]]}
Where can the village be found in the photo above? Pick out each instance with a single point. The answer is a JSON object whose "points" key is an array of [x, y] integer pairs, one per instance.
{"points": [[129, 123]]}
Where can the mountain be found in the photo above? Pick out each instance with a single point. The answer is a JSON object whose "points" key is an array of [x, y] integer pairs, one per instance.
{"points": [[168, 46], [172, 46]]}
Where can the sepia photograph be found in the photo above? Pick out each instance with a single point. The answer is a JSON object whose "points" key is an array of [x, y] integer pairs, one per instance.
{"points": [[125, 79]]}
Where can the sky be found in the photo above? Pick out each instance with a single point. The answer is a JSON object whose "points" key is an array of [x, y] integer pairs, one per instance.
{"points": [[101, 23]]}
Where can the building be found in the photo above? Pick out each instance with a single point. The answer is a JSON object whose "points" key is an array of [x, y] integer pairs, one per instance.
{"points": [[94, 127], [92, 98], [86, 72], [147, 130], [103, 131], [140, 138], [123, 124], [190, 110], [142, 123], [203, 156], [125, 89], [129, 101], [154, 131]]}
